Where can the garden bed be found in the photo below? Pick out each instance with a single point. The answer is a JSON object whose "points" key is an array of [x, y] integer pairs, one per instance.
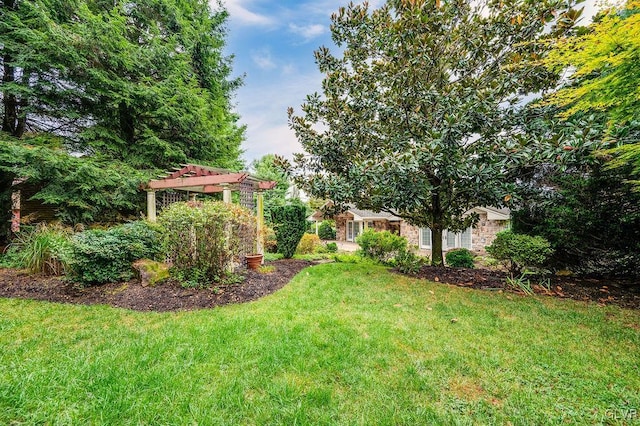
{"points": [[625, 293], [169, 296]]}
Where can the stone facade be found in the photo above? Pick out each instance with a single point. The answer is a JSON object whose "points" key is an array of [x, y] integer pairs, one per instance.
{"points": [[341, 226], [485, 232], [482, 235]]}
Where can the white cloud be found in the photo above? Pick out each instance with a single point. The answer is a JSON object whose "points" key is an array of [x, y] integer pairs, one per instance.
{"points": [[264, 110], [308, 32], [263, 59], [239, 13]]}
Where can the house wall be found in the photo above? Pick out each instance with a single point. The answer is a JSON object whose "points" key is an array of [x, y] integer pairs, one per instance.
{"points": [[341, 225], [482, 235], [24, 210], [485, 232]]}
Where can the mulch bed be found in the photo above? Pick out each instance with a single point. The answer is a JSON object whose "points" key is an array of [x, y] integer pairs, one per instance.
{"points": [[170, 296], [624, 293]]}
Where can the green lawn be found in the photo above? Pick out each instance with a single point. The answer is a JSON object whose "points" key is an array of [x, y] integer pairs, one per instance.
{"points": [[341, 344]]}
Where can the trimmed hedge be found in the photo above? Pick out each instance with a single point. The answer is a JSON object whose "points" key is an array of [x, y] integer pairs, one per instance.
{"points": [[459, 258], [520, 251], [290, 224]]}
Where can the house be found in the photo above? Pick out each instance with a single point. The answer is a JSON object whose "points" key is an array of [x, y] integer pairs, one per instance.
{"points": [[354, 221]]}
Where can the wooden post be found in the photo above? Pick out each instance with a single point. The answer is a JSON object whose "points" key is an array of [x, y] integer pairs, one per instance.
{"points": [[226, 193], [317, 227], [260, 223], [15, 211], [151, 206]]}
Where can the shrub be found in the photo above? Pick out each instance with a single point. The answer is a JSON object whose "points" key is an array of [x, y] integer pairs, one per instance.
{"points": [[308, 244], [519, 251], [290, 223], [270, 242], [459, 258], [327, 230], [44, 250], [203, 240], [407, 262], [381, 246], [332, 247], [102, 256]]}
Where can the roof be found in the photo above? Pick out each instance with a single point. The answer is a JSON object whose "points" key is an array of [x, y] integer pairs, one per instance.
{"points": [[496, 214], [197, 178], [358, 214], [371, 215]]}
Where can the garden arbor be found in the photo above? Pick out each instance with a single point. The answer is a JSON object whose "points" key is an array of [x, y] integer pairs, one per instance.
{"points": [[194, 179]]}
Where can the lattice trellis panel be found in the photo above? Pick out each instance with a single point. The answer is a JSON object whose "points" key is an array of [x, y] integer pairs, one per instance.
{"points": [[170, 197], [246, 195]]}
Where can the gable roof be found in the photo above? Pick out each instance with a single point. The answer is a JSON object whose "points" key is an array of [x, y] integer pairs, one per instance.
{"points": [[495, 214]]}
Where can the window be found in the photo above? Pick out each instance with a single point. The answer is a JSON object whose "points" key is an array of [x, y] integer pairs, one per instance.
{"points": [[354, 229], [450, 240], [425, 238]]}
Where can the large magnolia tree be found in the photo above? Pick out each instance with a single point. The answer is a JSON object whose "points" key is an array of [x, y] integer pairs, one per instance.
{"points": [[418, 113]]}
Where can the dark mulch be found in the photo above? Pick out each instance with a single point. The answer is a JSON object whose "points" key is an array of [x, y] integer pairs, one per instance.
{"points": [[168, 296], [625, 293]]}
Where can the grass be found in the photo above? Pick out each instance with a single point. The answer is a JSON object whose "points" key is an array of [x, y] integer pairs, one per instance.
{"points": [[341, 344]]}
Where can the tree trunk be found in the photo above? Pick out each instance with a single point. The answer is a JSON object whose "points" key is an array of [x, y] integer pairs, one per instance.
{"points": [[13, 121], [436, 247], [436, 230], [127, 126]]}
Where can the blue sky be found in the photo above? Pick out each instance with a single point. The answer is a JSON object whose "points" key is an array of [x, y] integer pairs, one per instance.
{"points": [[273, 44]]}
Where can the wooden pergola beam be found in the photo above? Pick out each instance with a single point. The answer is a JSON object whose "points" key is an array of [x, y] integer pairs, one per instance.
{"points": [[213, 180], [267, 185]]}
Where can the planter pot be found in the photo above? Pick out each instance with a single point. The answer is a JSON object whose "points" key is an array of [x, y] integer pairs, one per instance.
{"points": [[254, 261]]}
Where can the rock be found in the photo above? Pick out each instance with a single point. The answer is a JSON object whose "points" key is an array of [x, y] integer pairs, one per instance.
{"points": [[151, 272]]}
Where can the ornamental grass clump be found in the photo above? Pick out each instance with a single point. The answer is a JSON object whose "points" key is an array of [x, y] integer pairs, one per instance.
{"points": [[45, 250], [206, 240]]}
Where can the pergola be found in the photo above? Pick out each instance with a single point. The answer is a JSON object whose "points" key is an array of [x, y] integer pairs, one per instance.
{"points": [[208, 180]]}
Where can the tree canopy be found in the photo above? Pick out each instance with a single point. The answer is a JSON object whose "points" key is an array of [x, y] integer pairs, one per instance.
{"points": [[145, 82], [419, 114], [128, 85], [603, 63]]}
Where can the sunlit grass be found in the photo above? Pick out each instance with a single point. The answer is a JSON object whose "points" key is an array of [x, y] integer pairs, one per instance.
{"points": [[341, 344]]}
